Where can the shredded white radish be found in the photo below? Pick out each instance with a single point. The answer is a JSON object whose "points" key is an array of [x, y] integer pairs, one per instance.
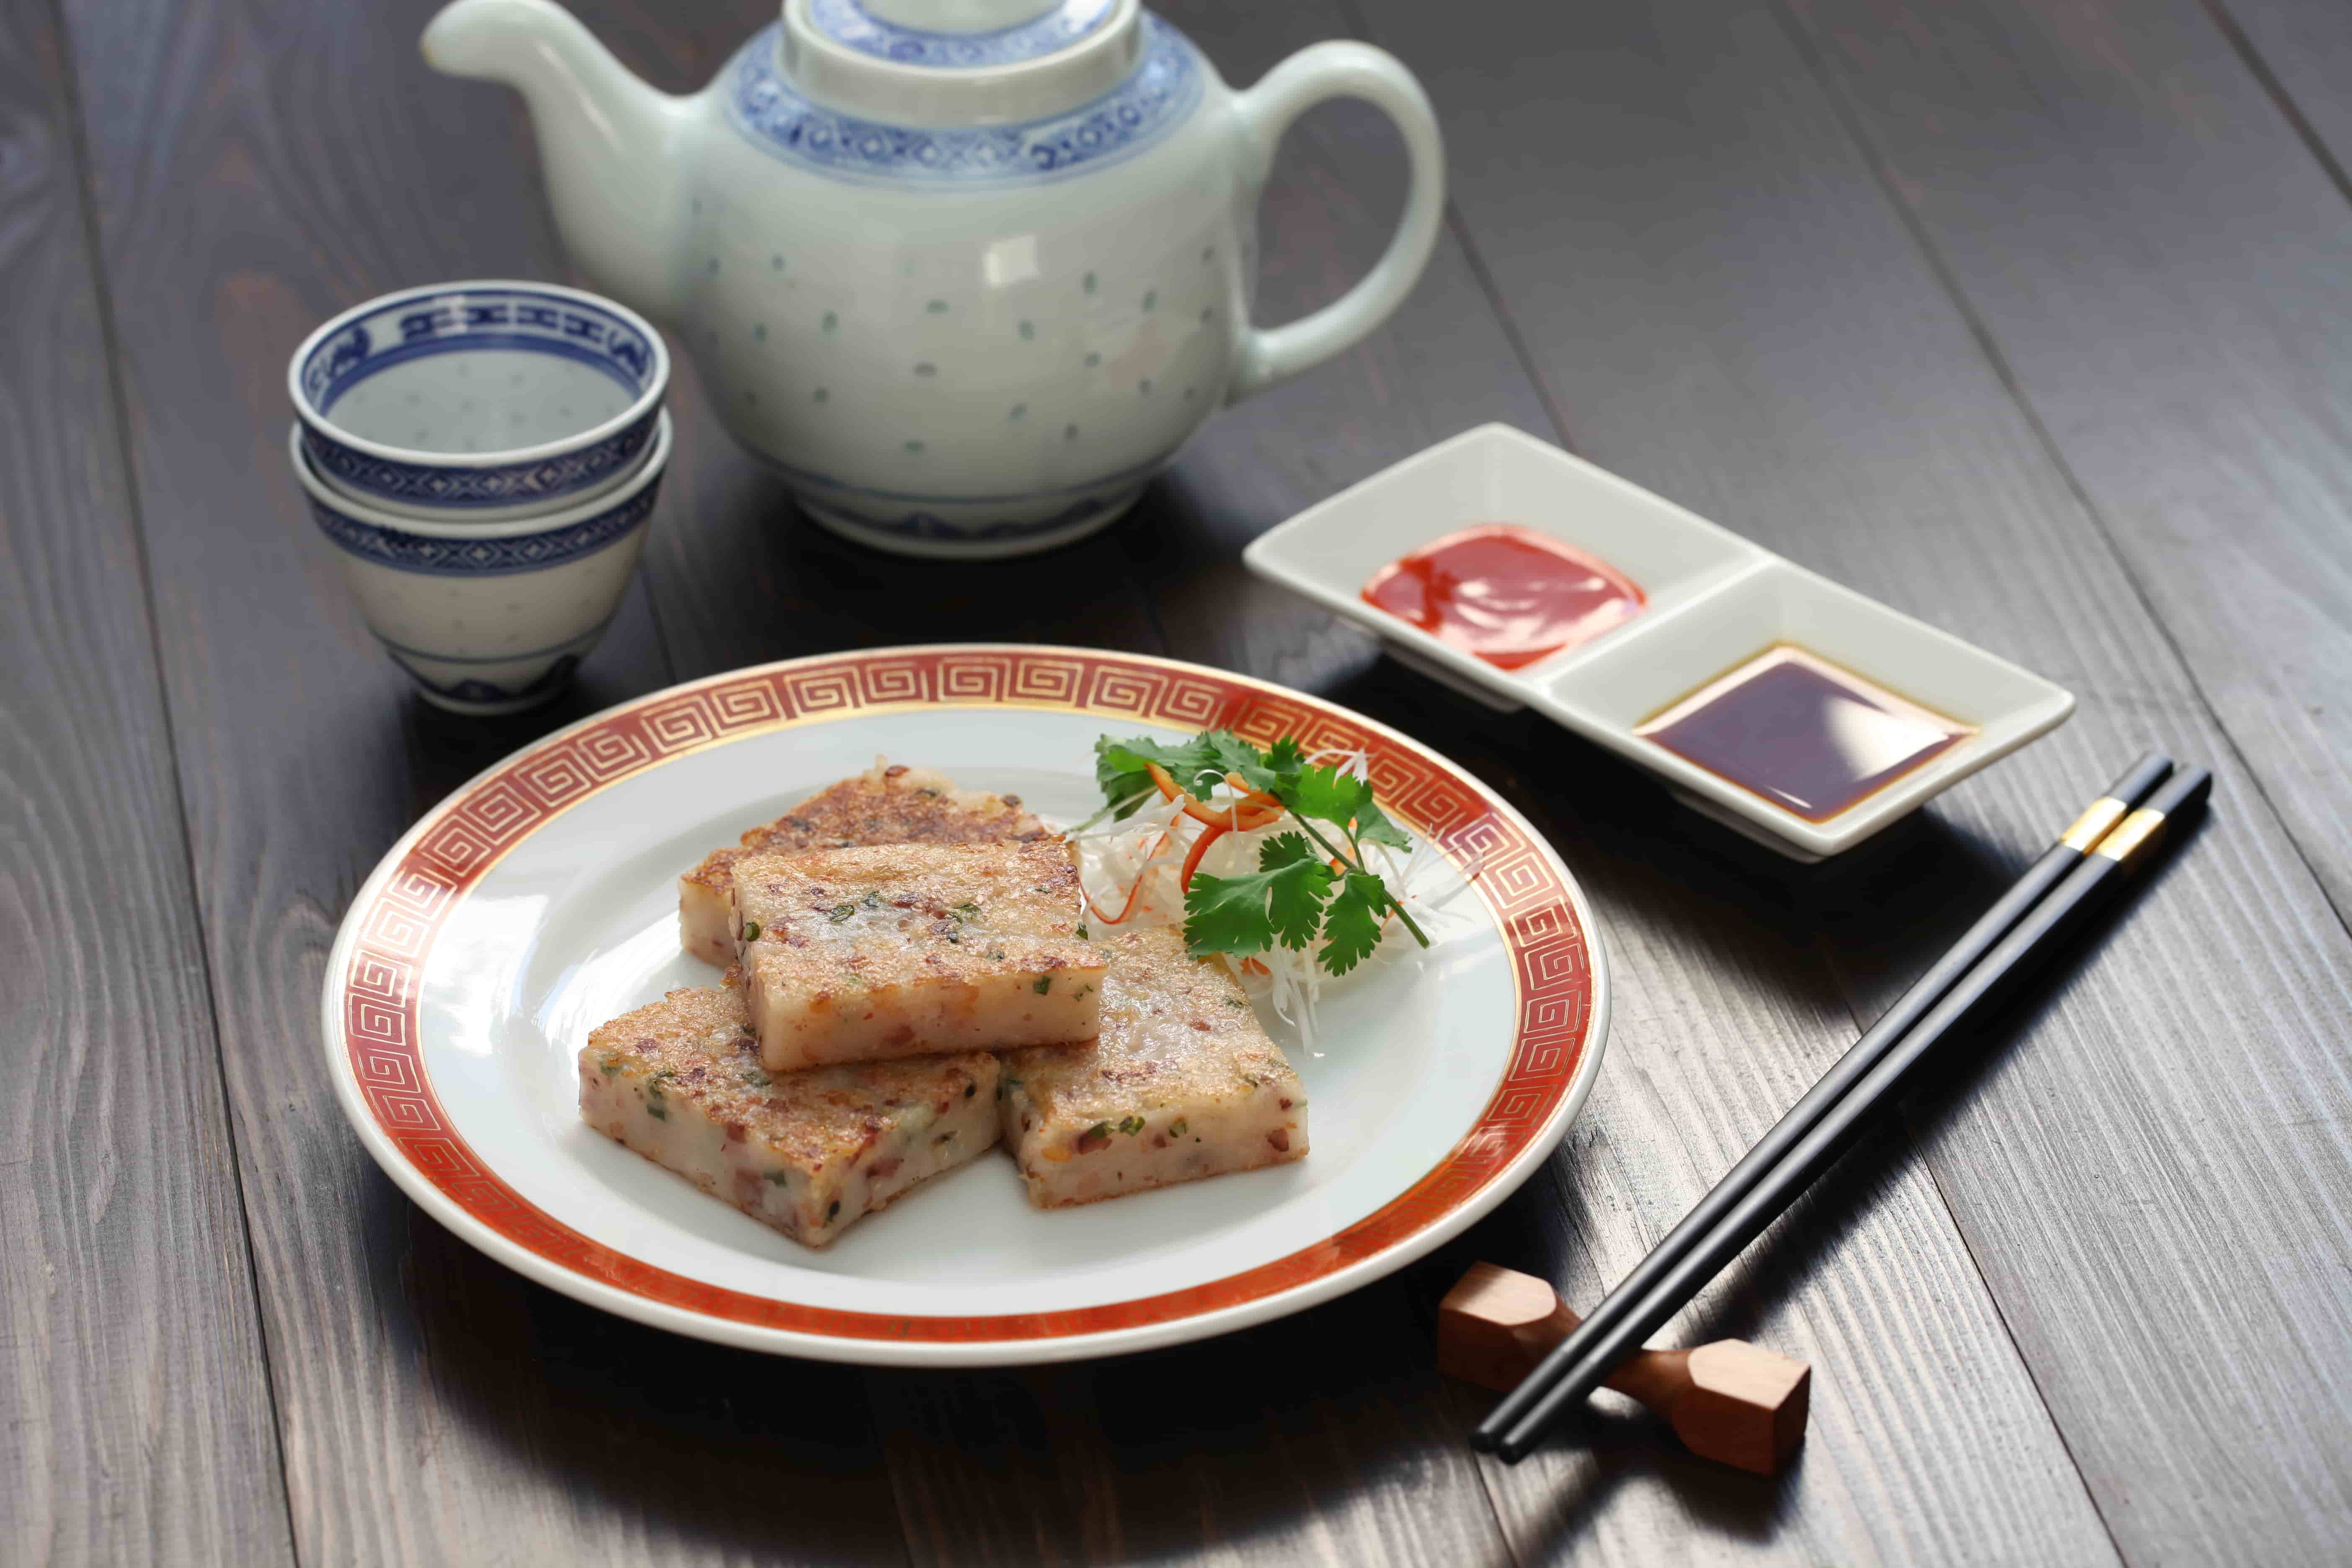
{"points": [[1130, 869]]}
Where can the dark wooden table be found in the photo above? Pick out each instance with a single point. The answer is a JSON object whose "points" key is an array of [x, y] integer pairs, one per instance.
{"points": [[2031, 317]]}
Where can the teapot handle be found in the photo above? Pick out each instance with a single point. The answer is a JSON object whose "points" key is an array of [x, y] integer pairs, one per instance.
{"points": [[1343, 70]]}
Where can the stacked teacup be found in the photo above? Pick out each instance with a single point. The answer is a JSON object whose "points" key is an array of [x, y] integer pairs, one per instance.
{"points": [[483, 456]]}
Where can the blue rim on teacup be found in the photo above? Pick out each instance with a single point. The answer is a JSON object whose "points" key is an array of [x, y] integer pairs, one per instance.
{"points": [[393, 416], [489, 617]]}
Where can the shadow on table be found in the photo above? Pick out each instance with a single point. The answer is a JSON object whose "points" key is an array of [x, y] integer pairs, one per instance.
{"points": [[1323, 1437], [640, 1433], [1320, 1437], [1329, 1436], [742, 577]]}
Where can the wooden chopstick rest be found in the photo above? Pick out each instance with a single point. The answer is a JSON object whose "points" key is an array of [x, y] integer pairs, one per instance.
{"points": [[1732, 1402]]}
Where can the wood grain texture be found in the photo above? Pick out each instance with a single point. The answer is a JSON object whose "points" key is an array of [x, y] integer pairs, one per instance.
{"points": [[1317, 1439], [1750, 326], [1743, 1015], [1704, 284], [2160, 263], [2197, 389], [135, 1421], [258, 168], [2303, 51]]}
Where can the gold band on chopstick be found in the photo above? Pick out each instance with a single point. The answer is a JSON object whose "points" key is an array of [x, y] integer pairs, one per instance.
{"points": [[2136, 829], [2091, 825]]}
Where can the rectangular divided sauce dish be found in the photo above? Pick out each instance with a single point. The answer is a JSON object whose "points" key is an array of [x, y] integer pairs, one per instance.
{"points": [[1785, 707]]}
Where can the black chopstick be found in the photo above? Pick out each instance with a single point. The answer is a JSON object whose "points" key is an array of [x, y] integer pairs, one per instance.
{"points": [[2041, 877], [2090, 886]]}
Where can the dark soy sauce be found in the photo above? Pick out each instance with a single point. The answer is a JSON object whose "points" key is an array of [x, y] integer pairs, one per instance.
{"points": [[1810, 736]]}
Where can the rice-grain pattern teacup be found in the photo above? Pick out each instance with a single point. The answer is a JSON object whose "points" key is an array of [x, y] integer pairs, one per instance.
{"points": [[490, 617], [483, 401]]}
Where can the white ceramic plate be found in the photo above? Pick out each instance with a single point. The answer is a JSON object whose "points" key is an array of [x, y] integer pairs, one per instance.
{"points": [[1715, 600], [540, 900]]}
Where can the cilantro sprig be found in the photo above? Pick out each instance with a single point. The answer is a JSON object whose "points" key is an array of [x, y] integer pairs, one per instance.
{"points": [[1306, 885]]}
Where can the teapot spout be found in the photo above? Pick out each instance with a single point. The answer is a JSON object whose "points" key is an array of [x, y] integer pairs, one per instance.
{"points": [[610, 145]]}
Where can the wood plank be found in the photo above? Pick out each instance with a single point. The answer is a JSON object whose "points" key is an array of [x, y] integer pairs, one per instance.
{"points": [[2159, 261], [2303, 51], [1736, 315], [2203, 421], [135, 1422], [1722, 1018], [1321, 1438], [255, 172]]}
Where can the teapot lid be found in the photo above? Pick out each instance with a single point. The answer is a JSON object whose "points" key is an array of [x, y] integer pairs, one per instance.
{"points": [[958, 62]]}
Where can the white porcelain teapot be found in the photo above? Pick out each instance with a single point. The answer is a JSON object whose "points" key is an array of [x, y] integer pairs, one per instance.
{"points": [[967, 271]]}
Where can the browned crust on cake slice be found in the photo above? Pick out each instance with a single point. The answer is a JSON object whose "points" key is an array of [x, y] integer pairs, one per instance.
{"points": [[1182, 1083], [895, 950], [891, 803], [681, 1082]]}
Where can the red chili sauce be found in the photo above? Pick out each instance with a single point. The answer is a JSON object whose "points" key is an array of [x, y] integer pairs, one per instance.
{"points": [[1506, 594]]}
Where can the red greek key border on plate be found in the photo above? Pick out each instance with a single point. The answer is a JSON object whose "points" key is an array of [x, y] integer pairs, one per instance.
{"points": [[467, 833]]}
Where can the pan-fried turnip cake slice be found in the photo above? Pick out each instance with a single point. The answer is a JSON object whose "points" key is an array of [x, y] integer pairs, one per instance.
{"points": [[891, 805], [1182, 1084], [893, 949], [681, 1082]]}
